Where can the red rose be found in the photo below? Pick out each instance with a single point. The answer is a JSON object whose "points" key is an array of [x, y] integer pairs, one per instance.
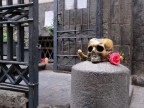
{"points": [[44, 60], [114, 58]]}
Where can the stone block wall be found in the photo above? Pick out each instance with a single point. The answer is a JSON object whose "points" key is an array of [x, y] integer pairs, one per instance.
{"points": [[138, 40], [117, 25]]}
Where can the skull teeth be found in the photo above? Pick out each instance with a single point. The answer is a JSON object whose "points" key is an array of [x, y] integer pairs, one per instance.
{"points": [[95, 59]]}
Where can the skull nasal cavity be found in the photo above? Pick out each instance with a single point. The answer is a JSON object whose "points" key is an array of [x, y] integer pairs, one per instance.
{"points": [[100, 48]]}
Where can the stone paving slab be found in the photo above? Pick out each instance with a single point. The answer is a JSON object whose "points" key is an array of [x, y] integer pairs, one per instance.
{"points": [[137, 98], [54, 88]]}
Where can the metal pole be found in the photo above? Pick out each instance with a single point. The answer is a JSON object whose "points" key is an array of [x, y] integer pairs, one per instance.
{"points": [[55, 34], [99, 19], [33, 55]]}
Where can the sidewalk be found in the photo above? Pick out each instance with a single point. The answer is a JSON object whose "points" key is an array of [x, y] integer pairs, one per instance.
{"points": [[54, 88], [137, 98]]}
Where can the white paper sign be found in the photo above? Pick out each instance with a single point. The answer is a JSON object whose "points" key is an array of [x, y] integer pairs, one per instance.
{"points": [[49, 18], [81, 4], [69, 4]]}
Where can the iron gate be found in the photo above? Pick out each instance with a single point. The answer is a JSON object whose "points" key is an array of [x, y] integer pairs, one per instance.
{"points": [[15, 73], [72, 30]]}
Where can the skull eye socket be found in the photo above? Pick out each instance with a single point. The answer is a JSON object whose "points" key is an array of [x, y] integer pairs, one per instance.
{"points": [[100, 48], [90, 48]]}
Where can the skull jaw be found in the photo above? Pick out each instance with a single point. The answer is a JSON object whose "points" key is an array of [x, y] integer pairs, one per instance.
{"points": [[96, 59]]}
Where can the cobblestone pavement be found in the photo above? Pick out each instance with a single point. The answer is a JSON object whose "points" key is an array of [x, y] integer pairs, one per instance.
{"points": [[54, 88]]}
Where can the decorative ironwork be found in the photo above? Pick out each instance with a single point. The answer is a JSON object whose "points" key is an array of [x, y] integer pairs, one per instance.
{"points": [[72, 30], [46, 47], [15, 74]]}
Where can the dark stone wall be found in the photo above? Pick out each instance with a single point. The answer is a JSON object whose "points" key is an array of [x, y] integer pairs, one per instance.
{"points": [[117, 25], [138, 33]]}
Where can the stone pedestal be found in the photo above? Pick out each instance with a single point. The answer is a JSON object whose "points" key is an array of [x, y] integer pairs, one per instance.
{"points": [[101, 85]]}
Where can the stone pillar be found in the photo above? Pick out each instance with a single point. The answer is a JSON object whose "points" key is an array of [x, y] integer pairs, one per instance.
{"points": [[101, 85]]}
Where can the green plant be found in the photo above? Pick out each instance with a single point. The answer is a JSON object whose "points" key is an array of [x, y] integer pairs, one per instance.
{"points": [[50, 30], [4, 34], [123, 56]]}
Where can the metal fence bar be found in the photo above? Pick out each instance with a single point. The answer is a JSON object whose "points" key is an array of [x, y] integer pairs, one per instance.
{"points": [[88, 11], [1, 36], [55, 43], [33, 55], [20, 43], [9, 37], [81, 19], [20, 40], [9, 42], [20, 1], [69, 19], [99, 15], [63, 15], [9, 2], [75, 26]]}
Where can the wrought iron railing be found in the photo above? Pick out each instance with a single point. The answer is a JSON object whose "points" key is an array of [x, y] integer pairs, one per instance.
{"points": [[73, 27], [15, 74], [46, 47]]}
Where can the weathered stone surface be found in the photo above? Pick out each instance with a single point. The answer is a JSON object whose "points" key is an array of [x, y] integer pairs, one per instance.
{"points": [[138, 80], [127, 51], [115, 34], [10, 99], [137, 67], [126, 35], [138, 35], [106, 11], [138, 53], [101, 85], [106, 30], [126, 11], [115, 11], [139, 42], [138, 20], [117, 48]]}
